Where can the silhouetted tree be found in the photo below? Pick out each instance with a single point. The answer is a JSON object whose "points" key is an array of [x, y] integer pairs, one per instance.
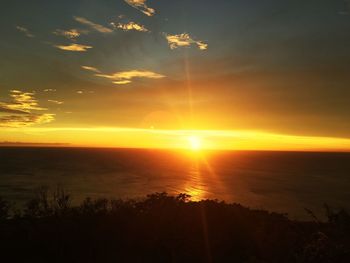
{"points": [[164, 228]]}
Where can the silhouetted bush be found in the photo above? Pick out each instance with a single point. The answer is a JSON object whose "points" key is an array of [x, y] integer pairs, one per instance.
{"points": [[4, 209], [164, 228]]}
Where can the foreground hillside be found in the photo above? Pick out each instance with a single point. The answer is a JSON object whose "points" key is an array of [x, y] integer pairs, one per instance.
{"points": [[163, 228]]}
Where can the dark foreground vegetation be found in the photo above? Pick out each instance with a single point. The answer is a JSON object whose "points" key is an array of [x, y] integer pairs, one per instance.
{"points": [[163, 228]]}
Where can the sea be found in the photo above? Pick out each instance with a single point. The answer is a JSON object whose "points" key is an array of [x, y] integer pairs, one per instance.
{"points": [[283, 182]]}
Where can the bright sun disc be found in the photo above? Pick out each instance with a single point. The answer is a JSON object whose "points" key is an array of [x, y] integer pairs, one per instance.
{"points": [[194, 143]]}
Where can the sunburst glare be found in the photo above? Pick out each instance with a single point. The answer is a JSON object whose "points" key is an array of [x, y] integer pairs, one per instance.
{"points": [[195, 143]]}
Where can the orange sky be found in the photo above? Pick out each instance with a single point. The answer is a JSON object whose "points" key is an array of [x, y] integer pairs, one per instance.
{"points": [[174, 139], [118, 74]]}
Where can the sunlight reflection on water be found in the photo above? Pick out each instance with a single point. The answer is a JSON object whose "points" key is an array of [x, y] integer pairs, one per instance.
{"points": [[194, 186], [285, 182]]}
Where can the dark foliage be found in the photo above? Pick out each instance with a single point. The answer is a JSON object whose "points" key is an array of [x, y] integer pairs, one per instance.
{"points": [[163, 228], [4, 209]]}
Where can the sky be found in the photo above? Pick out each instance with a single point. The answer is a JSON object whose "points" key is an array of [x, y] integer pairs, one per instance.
{"points": [[146, 73]]}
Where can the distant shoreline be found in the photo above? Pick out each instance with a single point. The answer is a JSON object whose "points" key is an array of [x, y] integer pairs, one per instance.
{"points": [[27, 144], [68, 145]]}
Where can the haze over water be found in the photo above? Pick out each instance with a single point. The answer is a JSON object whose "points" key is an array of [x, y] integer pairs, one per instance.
{"points": [[284, 182]]}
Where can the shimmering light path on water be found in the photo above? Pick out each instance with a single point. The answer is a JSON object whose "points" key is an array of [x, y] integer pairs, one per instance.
{"points": [[278, 181]]}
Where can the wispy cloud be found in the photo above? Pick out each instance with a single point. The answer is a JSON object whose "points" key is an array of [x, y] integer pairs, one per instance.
{"points": [[92, 25], [85, 91], [201, 45], [56, 102], [50, 90], [25, 31], [184, 40], [22, 110], [18, 121], [91, 69], [130, 26], [71, 34], [74, 47], [141, 6], [122, 82], [23, 102], [125, 77]]}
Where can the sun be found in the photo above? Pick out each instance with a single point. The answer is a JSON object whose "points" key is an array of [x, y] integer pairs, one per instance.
{"points": [[195, 143]]}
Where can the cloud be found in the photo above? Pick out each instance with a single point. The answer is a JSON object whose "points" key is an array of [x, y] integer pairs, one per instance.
{"points": [[201, 45], [84, 91], [126, 77], [141, 6], [184, 40], [18, 121], [25, 31], [94, 26], [56, 102], [122, 82], [74, 47], [22, 111], [50, 90], [5, 109], [71, 34], [91, 69], [130, 26], [22, 102]]}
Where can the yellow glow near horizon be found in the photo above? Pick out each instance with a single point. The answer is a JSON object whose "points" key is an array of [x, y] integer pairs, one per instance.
{"points": [[173, 139], [195, 143]]}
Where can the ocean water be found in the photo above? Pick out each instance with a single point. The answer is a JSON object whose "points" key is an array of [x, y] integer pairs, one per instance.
{"points": [[285, 182]]}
